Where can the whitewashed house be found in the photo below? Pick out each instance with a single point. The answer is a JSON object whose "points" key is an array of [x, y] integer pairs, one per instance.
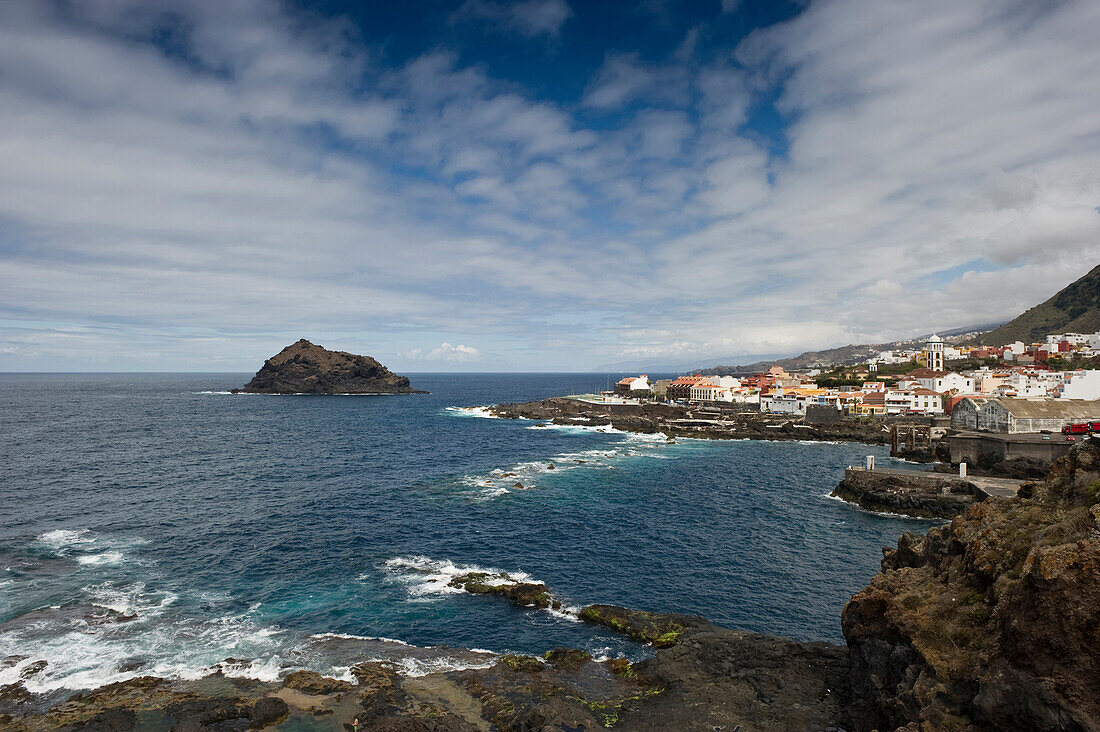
{"points": [[1081, 385]]}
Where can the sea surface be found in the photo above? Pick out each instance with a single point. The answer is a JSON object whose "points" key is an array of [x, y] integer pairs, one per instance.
{"points": [[156, 524]]}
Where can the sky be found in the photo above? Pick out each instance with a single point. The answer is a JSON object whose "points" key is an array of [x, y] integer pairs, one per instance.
{"points": [[541, 185]]}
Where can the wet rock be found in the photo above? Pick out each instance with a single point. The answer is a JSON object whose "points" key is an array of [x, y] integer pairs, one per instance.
{"points": [[192, 715], [268, 710], [569, 659], [311, 682], [33, 669], [525, 664], [661, 630], [522, 594], [721, 679], [14, 697], [550, 466], [554, 715], [517, 484], [110, 720]]}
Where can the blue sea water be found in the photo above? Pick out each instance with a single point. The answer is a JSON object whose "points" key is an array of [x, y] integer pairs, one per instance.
{"points": [[152, 523]]}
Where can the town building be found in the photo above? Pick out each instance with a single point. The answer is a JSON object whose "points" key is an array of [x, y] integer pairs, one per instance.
{"points": [[633, 385], [1013, 415]]}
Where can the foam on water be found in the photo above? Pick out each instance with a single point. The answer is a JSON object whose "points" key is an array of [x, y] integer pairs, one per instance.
{"points": [[577, 429], [62, 540], [352, 636], [888, 514], [427, 579], [412, 666], [109, 557], [482, 412], [529, 474], [424, 577]]}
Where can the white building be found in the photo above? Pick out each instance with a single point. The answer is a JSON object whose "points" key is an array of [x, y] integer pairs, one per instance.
{"points": [[727, 382], [926, 401], [706, 392], [1081, 385], [943, 381], [633, 384]]}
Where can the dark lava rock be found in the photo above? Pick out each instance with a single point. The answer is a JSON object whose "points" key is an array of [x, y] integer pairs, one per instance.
{"points": [[438, 723], [311, 682], [661, 630], [554, 715], [268, 710], [306, 368], [919, 495], [200, 713], [110, 720], [569, 659], [727, 679], [990, 622], [33, 669], [524, 664], [13, 697], [522, 594]]}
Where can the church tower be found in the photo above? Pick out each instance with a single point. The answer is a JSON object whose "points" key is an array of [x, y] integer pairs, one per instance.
{"points": [[933, 353]]}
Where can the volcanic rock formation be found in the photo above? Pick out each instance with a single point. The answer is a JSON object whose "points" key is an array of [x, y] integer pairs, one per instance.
{"points": [[306, 368]]}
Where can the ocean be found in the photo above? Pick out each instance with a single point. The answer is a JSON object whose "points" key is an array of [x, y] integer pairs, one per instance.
{"points": [[156, 524]]}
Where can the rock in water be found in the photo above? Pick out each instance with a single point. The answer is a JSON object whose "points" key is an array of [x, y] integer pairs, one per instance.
{"points": [[306, 368]]}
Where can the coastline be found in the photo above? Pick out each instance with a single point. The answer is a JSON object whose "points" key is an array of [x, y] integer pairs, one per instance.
{"points": [[699, 423], [685, 684]]}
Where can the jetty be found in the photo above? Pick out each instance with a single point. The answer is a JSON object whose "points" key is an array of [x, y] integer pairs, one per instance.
{"points": [[924, 494]]}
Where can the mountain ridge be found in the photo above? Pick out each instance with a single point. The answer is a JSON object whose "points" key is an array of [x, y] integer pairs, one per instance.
{"points": [[1073, 309]]}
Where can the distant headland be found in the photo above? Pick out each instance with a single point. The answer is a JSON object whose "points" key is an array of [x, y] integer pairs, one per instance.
{"points": [[306, 368]]}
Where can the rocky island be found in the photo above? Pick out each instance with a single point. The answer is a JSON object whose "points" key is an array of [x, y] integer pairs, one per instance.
{"points": [[306, 368]]}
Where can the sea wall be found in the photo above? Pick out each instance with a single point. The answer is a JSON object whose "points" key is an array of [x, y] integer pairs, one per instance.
{"points": [[911, 493]]}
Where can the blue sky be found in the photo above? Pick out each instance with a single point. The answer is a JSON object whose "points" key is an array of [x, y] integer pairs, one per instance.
{"points": [[534, 185]]}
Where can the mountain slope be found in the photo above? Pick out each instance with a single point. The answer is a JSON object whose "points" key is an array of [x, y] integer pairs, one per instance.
{"points": [[1075, 309]]}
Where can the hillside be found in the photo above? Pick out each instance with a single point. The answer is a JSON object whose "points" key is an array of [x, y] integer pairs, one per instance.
{"points": [[845, 355], [1075, 309]]}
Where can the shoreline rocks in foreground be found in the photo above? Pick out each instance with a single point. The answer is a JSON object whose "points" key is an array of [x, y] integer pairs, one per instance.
{"points": [[306, 368]]}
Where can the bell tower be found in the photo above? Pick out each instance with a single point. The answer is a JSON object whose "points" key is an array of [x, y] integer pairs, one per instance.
{"points": [[933, 353]]}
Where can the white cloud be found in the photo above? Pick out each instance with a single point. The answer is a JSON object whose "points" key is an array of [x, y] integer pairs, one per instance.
{"points": [[445, 352], [258, 186]]}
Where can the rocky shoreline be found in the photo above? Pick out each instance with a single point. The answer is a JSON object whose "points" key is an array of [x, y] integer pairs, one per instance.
{"points": [[703, 677], [986, 623], [728, 424]]}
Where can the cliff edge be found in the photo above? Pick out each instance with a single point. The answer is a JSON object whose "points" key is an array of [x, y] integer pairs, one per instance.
{"points": [[306, 368], [991, 622]]}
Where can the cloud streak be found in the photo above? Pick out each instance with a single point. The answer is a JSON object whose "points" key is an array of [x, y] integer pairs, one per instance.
{"points": [[261, 178]]}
